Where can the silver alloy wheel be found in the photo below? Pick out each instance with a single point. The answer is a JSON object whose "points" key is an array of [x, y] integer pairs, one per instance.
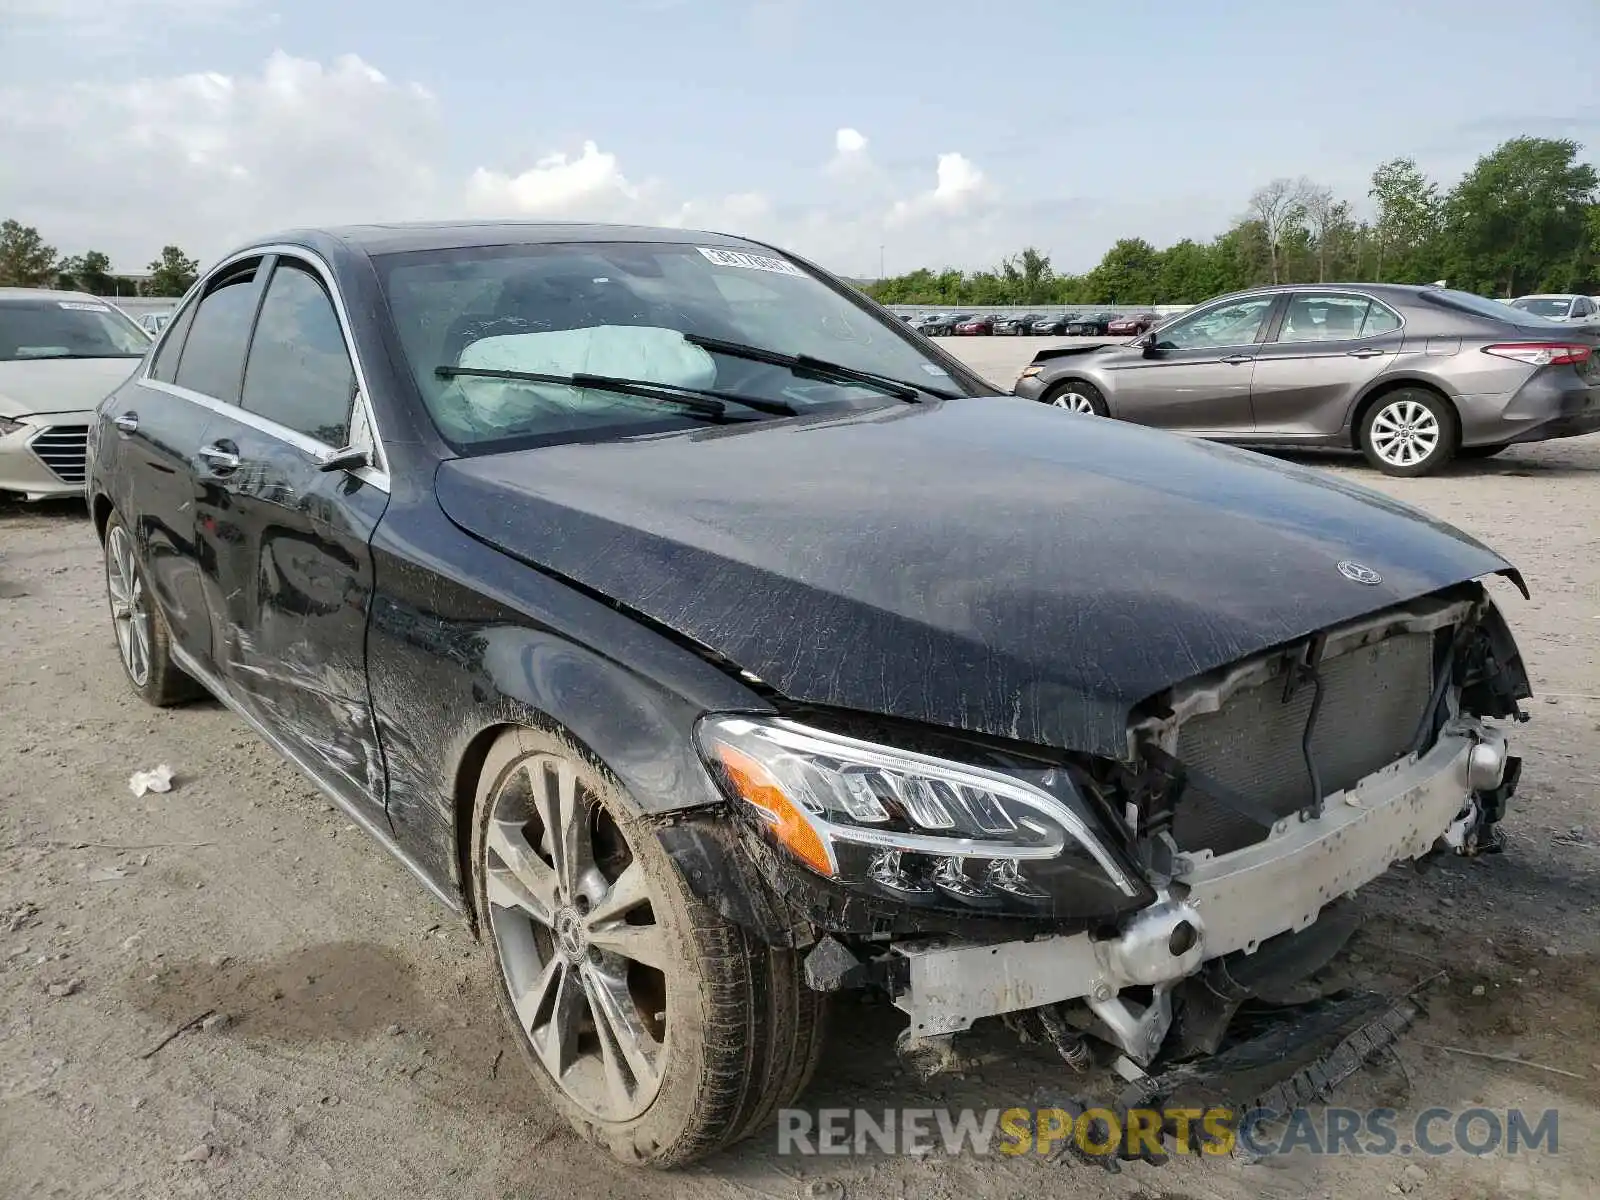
{"points": [[1074, 401], [583, 957], [130, 609], [1405, 432]]}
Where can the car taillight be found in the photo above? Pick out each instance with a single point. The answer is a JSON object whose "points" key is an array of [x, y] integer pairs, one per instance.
{"points": [[1542, 354]]}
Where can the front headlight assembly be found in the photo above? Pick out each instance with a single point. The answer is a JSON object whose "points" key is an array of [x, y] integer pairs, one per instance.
{"points": [[917, 828]]}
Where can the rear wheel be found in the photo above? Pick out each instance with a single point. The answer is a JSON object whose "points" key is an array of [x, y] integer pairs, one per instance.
{"points": [[660, 1030], [1409, 432], [144, 642], [1075, 395]]}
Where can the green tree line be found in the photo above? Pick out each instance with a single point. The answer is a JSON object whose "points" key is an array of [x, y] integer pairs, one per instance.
{"points": [[1525, 218], [27, 260]]}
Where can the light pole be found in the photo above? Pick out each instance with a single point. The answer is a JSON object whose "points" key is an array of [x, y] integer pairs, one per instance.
{"points": [[880, 260]]}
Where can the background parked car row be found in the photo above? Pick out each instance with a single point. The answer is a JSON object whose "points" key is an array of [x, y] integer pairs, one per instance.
{"points": [[1090, 322], [1131, 321]]}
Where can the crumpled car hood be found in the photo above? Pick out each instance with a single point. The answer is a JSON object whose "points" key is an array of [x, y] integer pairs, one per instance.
{"points": [[58, 385], [991, 565]]}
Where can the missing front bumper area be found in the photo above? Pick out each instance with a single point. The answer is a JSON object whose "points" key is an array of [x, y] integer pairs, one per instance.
{"points": [[1216, 906]]}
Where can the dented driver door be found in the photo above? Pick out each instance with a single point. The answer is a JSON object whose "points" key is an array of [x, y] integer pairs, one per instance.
{"points": [[285, 552]]}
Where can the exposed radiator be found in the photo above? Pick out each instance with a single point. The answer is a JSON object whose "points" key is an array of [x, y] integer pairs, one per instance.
{"points": [[1373, 699]]}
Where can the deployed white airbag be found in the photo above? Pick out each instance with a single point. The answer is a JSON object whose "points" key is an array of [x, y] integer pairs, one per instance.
{"points": [[641, 352]]}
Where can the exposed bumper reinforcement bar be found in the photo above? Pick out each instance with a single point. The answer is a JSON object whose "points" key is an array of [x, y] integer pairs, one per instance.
{"points": [[1216, 905]]}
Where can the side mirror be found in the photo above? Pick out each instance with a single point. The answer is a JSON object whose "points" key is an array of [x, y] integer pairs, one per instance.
{"points": [[346, 458], [1148, 344]]}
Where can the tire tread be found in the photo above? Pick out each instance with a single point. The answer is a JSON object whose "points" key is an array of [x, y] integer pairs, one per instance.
{"points": [[762, 1026]]}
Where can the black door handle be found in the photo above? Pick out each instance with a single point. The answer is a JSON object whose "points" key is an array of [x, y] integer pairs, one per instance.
{"points": [[1364, 352]]}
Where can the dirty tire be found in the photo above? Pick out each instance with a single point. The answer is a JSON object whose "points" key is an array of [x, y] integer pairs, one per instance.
{"points": [[743, 1032], [1079, 396], [163, 682], [1426, 417]]}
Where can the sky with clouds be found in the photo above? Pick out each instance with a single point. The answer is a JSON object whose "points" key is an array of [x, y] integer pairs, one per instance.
{"points": [[853, 131]]}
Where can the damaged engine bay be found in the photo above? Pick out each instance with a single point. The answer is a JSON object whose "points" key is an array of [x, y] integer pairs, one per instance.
{"points": [[1253, 801]]}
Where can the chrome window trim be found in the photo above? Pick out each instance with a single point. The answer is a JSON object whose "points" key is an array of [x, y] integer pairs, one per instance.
{"points": [[312, 446], [1338, 291], [378, 473]]}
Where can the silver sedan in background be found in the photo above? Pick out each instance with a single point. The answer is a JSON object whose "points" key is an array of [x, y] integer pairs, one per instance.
{"points": [[1560, 306], [61, 353], [1411, 376]]}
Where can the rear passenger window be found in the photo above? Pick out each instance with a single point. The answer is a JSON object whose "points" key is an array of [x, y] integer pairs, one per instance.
{"points": [[213, 353], [299, 373], [1334, 317], [1379, 320]]}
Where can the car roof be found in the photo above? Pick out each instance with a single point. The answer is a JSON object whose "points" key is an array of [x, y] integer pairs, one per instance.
{"points": [[398, 237], [22, 293], [1549, 296], [1377, 289], [1394, 293]]}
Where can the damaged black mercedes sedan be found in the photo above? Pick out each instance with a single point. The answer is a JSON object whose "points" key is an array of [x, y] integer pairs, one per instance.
{"points": [[714, 642]]}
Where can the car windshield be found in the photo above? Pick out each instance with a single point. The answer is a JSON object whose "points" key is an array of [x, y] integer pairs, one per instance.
{"points": [[49, 328], [637, 311], [1544, 306]]}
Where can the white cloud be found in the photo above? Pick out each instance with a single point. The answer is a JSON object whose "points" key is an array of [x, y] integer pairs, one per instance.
{"points": [[741, 211], [850, 158], [959, 180], [590, 185], [210, 159], [958, 186]]}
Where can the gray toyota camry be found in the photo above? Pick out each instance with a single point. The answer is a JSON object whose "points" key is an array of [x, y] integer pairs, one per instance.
{"points": [[1411, 376]]}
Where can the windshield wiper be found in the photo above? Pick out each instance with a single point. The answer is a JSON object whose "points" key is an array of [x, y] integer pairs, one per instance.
{"points": [[820, 368], [706, 402]]}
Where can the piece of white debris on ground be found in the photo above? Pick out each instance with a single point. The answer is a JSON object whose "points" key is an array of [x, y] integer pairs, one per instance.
{"points": [[157, 779]]}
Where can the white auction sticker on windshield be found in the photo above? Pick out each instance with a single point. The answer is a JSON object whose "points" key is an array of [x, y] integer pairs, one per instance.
{"points": [[81, 306], [752, 262]]}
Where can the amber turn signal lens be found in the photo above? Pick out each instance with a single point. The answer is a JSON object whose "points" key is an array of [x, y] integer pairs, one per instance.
{"points": [[787, 820]]}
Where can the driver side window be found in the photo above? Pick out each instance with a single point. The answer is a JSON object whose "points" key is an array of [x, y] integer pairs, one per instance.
{"points": [[299, 372], [1236, 323]]}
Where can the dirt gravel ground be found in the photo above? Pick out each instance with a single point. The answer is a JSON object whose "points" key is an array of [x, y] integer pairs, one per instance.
{"points": [[354, 1049]]}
